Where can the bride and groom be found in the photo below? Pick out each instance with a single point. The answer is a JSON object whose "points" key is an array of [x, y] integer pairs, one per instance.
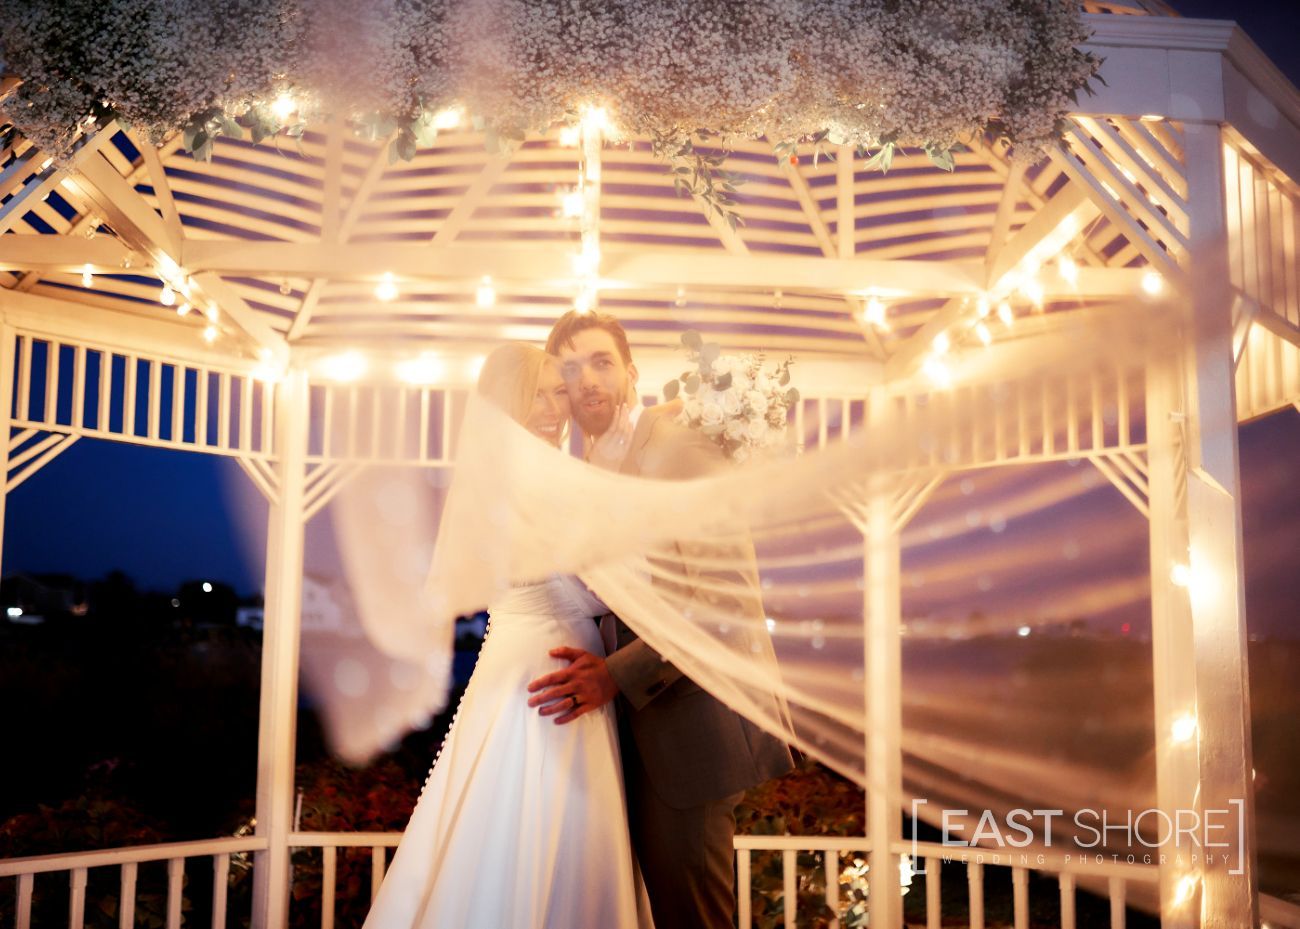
{"points": [[585, 783]]}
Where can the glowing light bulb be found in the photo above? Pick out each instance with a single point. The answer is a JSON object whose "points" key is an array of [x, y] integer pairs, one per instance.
{"points": [[212, 313], [941, 343], [1181, 575], [937, 372], [283, 106], [486, 295], [1184, 728], [210, 334], [587, 261], [1032, 288], [595, 118], [982, 331], [983, 307], [1005, 314], [1186, 887], [386, 289], [570, 136], [1023, 631], [449, 118], [167, 296], [1153, 283], [184, 309], [874, 312], [572, 204], [1069, 270], [345, 367], [423, 370], [582, 301], [87, 276]]}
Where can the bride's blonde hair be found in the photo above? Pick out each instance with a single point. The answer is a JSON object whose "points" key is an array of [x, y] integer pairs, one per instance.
{"points": [[509, 378]]}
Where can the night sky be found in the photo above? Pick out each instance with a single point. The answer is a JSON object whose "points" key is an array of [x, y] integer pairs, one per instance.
{"points": [[164, 517]]}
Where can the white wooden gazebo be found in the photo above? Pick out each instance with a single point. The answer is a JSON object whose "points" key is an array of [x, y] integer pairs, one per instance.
{"points": [[336, 304]]}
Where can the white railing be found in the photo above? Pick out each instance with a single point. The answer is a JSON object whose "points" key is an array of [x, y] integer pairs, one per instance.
{"points": [[128, 860], [1276, 913], [1116, 874]]}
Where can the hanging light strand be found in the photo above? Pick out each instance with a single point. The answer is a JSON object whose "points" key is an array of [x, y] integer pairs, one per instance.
{"points": [[587, 263]]}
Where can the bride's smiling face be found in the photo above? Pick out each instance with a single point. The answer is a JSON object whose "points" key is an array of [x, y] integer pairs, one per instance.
{"points": [[550, 410]]}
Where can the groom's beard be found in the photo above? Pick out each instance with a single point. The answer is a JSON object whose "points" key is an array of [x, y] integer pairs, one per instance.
{"points": [[594, 421]]}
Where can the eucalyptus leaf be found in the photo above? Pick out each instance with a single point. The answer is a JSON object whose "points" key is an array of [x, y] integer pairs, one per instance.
{"points": [[785, 377], [709, 352], [791, 397], [671, 389], [692, 340], [723, 382], [693, 384]]}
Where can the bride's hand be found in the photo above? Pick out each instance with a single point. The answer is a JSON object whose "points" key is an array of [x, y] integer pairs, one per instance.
{"points": [[610, 449]]}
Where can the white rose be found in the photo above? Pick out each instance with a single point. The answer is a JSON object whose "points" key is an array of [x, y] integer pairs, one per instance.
{"points": [[692, 408], [731, 402], [740, 455], [757, 429], [711, 414], [722, 365], [735, 430], [762, 382], [757, 403]]}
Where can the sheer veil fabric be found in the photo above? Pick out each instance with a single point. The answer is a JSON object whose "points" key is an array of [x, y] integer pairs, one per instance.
{"points": [[659, 554]]}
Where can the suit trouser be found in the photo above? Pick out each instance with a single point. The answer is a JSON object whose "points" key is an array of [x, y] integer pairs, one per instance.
{"points": [[685, 855]]}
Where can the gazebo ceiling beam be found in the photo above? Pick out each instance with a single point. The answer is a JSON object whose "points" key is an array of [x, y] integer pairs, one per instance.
{"points": [[1050, 230], [547, 268]]}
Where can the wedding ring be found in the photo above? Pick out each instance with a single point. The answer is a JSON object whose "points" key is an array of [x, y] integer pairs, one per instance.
{"points": [[574, 698]]}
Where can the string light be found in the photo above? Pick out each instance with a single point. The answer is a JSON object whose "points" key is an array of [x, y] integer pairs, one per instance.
{"points": [[1068, 269], [184, 309], [680, 300], [212, 313], [983, 307], [937, 372], [345, 367], [582, 301], [587, 261], [422, 370], [87, 276], [1186, 887], [210, 334], [167, 296], [982, 331], [874, 313], [486, 295], [386, 289], [1032, 288], [1180, 575], [1005, 314], [941, 343], [1153, 283], [283, 107], [1184, 728], [570, 136], [572, 204], [449, 118]]}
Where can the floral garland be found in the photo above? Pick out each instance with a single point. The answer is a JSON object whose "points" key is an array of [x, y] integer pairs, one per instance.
{"points": [[874, 74]]}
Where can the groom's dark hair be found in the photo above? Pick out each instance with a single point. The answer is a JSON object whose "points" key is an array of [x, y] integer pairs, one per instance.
{"points": [[573, 322]]}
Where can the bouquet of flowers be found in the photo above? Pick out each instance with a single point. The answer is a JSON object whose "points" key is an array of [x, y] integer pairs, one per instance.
{"points": [[733, 400]]}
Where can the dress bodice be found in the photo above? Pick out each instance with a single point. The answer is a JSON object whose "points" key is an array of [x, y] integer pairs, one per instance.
{"points": [[560, 595]]}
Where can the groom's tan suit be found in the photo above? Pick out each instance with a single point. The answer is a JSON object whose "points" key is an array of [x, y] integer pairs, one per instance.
{"points": [[687, 758]]}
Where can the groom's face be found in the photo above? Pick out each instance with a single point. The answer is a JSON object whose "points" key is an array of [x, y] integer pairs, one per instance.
{"points": [[598, 379]]}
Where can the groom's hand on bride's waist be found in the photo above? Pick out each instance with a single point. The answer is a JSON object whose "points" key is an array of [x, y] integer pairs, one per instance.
{"points": [[583, 686]]}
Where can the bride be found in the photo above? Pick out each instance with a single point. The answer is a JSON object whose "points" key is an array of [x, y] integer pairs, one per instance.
{"points": [[521, 823]]}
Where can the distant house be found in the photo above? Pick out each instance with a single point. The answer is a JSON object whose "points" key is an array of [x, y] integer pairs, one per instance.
{"points": [[32, 598]]}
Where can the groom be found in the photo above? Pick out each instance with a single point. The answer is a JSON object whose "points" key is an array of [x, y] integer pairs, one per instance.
{"points": [[687, 758]]}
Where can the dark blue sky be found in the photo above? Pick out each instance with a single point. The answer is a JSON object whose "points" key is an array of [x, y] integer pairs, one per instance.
{"points": [[164, 517]]}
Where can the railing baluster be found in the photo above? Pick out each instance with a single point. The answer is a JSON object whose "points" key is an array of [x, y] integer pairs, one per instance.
{"points": [[220, 889], [745, 906], [23, 917], [975, 881], [175, 874], [789, 884], [376, 871], [77, 899], [329, 875], [126, 896], [1067, 901], [1020, 897], [933, 897], [1117, 903], [831, 859]]}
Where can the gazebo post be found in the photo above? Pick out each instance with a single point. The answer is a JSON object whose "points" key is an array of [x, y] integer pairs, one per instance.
{"points": [[882, 603], [278, 716], [1230, 894], [8, 359], [1172, 646]]}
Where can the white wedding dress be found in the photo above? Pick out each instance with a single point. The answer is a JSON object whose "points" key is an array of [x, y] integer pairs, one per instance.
{"points": [[522, 823]]}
